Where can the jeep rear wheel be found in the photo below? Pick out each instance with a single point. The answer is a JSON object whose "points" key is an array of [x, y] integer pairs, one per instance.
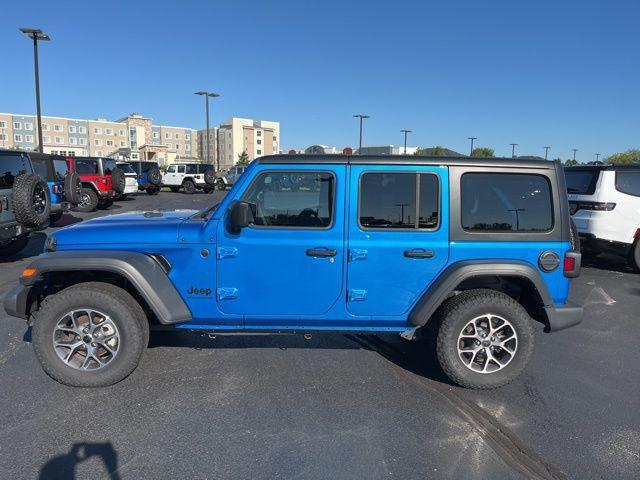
{"points": [[189, 187], [220, 184], [90, 335], [31, 200], [485, 339], [634, 256], [88, 200]]}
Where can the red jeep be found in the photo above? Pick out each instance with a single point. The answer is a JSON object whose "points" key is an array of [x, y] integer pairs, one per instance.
{"points": [[101, 181]]}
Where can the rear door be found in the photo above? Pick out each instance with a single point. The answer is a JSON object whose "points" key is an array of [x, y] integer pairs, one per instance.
{"points": [[398, 237]]}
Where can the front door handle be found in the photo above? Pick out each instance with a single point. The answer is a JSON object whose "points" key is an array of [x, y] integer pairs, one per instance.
{"points": [[321, 252], [419, 253]]}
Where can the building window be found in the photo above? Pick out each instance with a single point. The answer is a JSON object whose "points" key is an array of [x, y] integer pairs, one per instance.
{"points": [[54, 152], [108, 131], [3, 137], [122, 132], [28, 138], [83, 141], [71, 153], [97, 131], [72, 129], [46, 139], [82, 129], [259, 142], [275, 138], [58, 128], [123, 143], [187, 136], [259, 133], [58, 140], [17, 125], [73, 141], [99, 153], [259, 152], [17, 138], [97, 142], [177, 146], [177, 136], [3, 124], [156, 135], [28, 126], [167, 136], [109, 143]]}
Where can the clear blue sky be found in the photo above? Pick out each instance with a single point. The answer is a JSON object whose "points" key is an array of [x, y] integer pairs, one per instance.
{"points": [[560, 73]]}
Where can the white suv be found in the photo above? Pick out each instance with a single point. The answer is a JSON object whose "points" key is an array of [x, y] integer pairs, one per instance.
{"points": [[604, 202], [190, 176], [130, 180]]}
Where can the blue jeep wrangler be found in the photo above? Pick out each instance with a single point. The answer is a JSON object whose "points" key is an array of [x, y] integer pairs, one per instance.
{"points": [[65, 189], [149, 176], [475, 249]]}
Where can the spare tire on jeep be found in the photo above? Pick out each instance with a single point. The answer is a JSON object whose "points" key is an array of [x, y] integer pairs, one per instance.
{"points": [[31, 200], [154, 177], [118, 180], [210, 177], [72, 188]]}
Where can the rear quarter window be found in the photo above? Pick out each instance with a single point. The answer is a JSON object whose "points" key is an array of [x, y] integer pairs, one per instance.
{"points": [[60, 169], [87, 167], [506, 203], [40, 167], [628, 182], [10, 167], [581, 182]]}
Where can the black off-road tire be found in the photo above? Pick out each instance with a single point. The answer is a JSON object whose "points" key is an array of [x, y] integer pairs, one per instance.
{"points": [[123, 310], [210, 177], [220, 185], [461, 309], [154, 176], [153, 190], [55, 217], [118, 180], [634, 256], [72, 188], [189, 187], [104, 204], [25, 189], [92, 201], [9, 248], [174, 189]]}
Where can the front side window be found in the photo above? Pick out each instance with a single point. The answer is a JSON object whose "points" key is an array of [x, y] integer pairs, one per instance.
{"points": [[292, 199], [505, 202], [628, 182], [171, 169], [10, 167], [87, 166]]}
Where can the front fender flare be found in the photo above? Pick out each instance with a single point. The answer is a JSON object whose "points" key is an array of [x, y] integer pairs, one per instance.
{"points": [[458, 272], [147, 276]]}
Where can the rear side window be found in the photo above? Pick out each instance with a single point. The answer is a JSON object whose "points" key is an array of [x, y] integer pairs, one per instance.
{"points": [[87, 166], [504, 202], [581, 182], [126, 168], [10, 167], [146, 166], [108, 166], [60, 169], [628, 182], [40, 167], [292, 199], [192, 169], [399, 200]]}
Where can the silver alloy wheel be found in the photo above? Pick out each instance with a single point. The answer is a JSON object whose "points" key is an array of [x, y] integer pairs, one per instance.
{"points": [[84, 200], [487, 343], [86, 339]]}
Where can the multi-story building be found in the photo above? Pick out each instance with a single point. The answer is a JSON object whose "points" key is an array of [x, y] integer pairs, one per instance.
{"points": [[132, 137], [236, 136]]}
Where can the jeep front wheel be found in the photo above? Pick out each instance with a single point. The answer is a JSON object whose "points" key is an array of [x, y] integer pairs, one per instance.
{"points": [[88, 200], [90, 335], [485, 339], [189, 187]]}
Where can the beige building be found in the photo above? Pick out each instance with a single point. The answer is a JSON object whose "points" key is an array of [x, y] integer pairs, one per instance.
{"points": [[237, 135], [132, 137]]}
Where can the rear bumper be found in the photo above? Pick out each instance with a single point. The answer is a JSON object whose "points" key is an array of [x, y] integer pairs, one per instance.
{"points": [[564, 316], [60, 207], [12, 230], [15, 303]]}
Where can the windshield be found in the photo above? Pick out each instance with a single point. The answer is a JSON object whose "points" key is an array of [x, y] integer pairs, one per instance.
{"points": [[582, 182]]}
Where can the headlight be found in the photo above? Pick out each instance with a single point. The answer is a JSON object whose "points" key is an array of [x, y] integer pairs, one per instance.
{"points": [[51, 244]]}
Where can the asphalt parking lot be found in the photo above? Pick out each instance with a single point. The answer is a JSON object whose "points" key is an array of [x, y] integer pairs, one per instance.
{"points": [[333, 406]]}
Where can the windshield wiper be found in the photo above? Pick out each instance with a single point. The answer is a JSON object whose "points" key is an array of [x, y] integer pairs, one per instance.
{"points": [[205, 213]]}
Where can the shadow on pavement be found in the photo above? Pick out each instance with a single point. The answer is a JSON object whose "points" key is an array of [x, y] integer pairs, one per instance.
{"points": [[608, 262], [33, 248], [64, 466], [66, 220]]}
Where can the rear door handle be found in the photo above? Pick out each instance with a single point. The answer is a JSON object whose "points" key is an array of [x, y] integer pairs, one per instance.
{"points": [[419, 253], [321, 252]]}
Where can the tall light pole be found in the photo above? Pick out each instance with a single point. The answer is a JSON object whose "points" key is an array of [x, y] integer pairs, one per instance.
{"points": [[206, 103], [361, 117], [405, 139], [513, 149], [574, 153], [597, 157], [546, 152], [36, 34], [472, 139]]}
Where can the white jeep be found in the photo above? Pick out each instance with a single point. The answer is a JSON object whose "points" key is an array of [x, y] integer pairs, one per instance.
{"points": [[190, 176], [604, 202]]}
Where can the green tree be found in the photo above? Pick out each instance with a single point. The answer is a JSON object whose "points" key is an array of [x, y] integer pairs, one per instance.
{"points": [[437, 151], [624, 158], [482, 152], [243, 158], [570, 162]]}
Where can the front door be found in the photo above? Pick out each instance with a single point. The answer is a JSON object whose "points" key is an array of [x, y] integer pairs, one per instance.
{"points": [[398, 237], [289, 261]]}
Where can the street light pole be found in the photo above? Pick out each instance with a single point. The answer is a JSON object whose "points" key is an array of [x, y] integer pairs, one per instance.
{"points": [[574, 153], [405, 139], [597, 157], [206, 103], [472, 139], [36, 34], [513, 149], [361, 117], [546, 152]]}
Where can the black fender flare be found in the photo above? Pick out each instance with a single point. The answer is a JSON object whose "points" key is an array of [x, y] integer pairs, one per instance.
{"points": [[147, 275], [458, 272]]}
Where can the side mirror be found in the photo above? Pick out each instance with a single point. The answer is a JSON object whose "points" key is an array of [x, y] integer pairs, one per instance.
{"points": [[239, 216]]}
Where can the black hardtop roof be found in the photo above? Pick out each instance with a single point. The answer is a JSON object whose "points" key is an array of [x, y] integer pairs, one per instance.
{"points": [[583, 168], [338, 159]]}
